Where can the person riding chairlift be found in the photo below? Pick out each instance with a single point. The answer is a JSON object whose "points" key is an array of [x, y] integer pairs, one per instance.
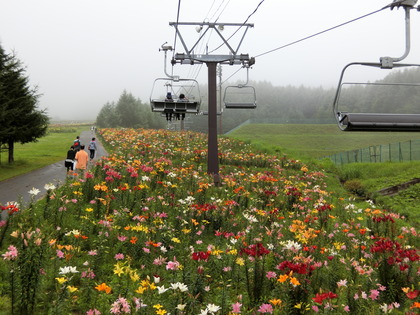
{"points": [[168, 99]]}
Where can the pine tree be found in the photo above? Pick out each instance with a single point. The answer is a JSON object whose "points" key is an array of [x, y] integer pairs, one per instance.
{"points": [[20, 119]]}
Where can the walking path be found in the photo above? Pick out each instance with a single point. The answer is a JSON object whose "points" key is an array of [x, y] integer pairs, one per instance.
{"points": [[17, 188]]}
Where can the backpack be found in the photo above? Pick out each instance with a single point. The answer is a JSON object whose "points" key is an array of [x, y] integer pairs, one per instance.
{"points": [[76, 143]]}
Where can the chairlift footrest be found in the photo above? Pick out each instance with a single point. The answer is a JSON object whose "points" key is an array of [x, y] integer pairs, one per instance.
{"points": [[378, 122]]}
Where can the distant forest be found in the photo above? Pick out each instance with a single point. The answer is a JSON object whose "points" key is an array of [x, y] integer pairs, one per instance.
{"points": [[282, 104]]}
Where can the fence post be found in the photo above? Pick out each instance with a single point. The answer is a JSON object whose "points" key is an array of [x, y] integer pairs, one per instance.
{"points": [[410, 150], [390, 156], [400, 152], [380, 153]]}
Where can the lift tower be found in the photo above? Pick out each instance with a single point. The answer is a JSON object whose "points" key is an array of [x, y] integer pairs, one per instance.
{"points": [[212, 60]]}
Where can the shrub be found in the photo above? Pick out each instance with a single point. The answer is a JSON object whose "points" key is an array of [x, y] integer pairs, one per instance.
{"points": [[355, 187]]}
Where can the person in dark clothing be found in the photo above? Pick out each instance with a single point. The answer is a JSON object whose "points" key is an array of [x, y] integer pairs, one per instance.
{"points": [[77, 144], [92, 148], [168, 113], [69, 162]]}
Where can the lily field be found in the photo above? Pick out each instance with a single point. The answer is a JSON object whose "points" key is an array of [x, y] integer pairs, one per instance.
{"points": [[147, 231]]}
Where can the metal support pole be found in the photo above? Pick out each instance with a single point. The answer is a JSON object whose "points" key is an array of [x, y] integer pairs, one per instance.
{"points": [[212, 157], [220, 100]]}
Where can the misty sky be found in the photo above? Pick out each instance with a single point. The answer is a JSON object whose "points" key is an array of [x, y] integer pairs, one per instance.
{"points": [[84, 53]]}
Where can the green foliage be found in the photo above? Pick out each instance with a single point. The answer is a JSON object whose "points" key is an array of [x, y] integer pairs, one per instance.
{"points": [[128, 112], [149, 219], [350, 172], [309, 141], [405, 203], [20, 119], [47, 150], [62, 129], [355, 186]]}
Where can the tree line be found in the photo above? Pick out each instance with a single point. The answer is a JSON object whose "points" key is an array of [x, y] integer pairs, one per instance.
{"points": [[128, 112], [283, 104], [20, 118]]}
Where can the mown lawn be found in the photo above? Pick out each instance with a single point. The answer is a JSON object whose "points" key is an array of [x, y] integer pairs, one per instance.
{"points": [[31, 156]]}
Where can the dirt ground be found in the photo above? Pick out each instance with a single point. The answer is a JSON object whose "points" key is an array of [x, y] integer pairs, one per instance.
{"points": [[17, 188]]}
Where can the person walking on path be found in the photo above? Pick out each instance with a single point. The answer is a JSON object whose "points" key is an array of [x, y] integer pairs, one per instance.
{"points": [[82, 160], [69, 162], [92, 148], [77, 144], [16, 188]]}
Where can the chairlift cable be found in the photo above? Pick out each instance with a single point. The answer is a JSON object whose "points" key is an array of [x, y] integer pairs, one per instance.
{"points": [[198, 70], [211, 7], [231, 75], [220, 11], [177, 20], [194, 72], [321, 32], [249, 16]]}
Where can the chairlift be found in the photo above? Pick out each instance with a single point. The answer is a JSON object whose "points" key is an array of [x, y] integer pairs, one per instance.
{"points": [[241, 96], [174, 97], [184, 97], [362, 121]]}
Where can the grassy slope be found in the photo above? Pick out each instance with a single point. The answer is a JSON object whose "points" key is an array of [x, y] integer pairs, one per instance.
{"points": [[297, 141], [314, 141], [307, 142], [35, 155]]}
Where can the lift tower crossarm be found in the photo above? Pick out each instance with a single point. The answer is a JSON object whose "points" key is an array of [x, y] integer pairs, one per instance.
{"points": [[190, 57]]}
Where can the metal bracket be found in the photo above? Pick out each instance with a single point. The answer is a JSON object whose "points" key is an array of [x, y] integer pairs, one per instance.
{"points": [[188, 57], [388, 62]]}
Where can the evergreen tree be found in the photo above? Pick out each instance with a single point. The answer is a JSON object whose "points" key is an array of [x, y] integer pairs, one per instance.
{"points": [[128, 111], [20, 119], [107, 117]]}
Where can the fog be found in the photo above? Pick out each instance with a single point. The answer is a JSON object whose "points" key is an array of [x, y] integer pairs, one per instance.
{"points": [[82, 54]]}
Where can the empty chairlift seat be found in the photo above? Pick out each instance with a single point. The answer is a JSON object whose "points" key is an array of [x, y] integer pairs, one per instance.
{"points": [[384, 94], [240, 97]]}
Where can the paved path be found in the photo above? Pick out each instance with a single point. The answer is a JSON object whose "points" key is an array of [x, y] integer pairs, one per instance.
{"points": [[17, 188]]}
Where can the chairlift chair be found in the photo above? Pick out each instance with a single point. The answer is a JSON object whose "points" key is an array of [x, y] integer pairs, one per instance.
{"points": [[176, 87], [241, 96], [362, 121]]}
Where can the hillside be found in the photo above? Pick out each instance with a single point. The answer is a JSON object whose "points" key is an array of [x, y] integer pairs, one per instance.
{"points": [[147, 231]]}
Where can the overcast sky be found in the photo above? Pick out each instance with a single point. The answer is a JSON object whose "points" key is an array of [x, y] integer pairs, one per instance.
{"points": [[84, 53]]}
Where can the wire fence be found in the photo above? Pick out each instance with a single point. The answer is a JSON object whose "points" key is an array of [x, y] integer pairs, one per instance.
{"points": [[392, 152]]}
